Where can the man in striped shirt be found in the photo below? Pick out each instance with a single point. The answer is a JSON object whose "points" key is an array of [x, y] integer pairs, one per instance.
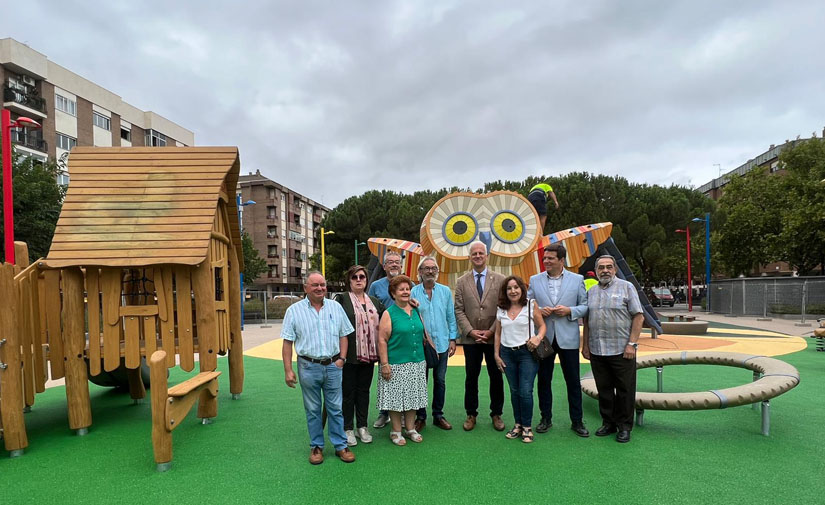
{"points": [[318, 330], [611, 335]]}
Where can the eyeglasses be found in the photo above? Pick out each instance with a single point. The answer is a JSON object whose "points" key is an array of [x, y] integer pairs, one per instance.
{"points": [[429, 269], [359, 277], [392, 262]]}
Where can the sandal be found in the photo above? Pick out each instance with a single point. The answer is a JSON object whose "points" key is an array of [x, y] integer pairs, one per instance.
{"points": [[527, 435], [397, 438], [415, 436], [515, 432]]}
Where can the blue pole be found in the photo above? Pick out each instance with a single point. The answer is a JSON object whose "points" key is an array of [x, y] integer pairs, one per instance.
{"points": [[243, 288], [707, 260]]}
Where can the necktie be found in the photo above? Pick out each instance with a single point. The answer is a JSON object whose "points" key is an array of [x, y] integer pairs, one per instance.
{"points": [[478, 286]]}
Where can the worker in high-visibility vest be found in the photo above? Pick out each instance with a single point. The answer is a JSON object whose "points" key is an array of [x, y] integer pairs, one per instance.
{"points": [[590, 280], [538, 197]]}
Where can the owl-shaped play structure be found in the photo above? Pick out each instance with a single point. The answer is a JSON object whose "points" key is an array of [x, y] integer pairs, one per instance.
{"points": [[509, 225]]}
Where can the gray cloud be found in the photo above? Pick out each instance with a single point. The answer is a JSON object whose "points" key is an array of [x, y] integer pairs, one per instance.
{"points": [[333, 99]]}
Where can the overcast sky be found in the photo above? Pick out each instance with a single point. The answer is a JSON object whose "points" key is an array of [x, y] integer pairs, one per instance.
{"points": [[332, 99]]}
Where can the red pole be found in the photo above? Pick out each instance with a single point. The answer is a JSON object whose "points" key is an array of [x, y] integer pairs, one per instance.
{"points": [[8, 197], [690, 276]]}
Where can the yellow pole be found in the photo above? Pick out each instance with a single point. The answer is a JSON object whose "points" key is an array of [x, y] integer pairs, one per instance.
{"points": [[323, 253]]}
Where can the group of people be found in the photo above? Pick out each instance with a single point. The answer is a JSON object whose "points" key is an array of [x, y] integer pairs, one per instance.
{"points": [[498, 321]]}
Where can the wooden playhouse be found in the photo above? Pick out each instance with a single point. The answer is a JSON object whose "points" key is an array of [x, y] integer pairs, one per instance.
{"points": [[146, 257]]}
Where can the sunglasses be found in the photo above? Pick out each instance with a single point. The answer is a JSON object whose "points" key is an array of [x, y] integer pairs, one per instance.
{"points": [[359, 277]]}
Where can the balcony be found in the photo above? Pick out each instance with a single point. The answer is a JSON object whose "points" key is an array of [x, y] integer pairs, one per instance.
{"points": [[272, 235], [24, 103], [273, 255], [29, 139]]}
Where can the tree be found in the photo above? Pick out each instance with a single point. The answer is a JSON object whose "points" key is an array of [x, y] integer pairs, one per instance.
{"points": [[802, 236], [253, 264], [37, 202], [753, 206]]}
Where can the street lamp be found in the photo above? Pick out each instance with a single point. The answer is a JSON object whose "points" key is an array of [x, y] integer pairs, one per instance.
{"points": [[323, 252], [240, 226], [686, 231], [356, 250], [8, 194], [706, 220]]}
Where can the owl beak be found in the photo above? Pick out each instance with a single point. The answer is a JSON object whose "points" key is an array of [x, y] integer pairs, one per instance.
{"points": [[485, 237]]}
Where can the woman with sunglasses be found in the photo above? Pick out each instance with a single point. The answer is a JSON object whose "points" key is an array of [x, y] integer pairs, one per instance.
{"points": [[364, 313]]}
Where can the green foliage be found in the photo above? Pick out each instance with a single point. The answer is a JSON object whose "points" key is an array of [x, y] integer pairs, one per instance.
{"points": [[37, 202], [644, 219], [253, 264], [777, 218]]}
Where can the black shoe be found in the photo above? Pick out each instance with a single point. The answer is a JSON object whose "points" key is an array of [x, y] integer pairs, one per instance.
{"points": [[544, 425], [605, 430], [580, 429], [623, 436]]}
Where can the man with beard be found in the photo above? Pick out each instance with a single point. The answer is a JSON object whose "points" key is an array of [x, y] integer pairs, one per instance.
{"points": [[380, 289], [438, 314], [611, 333]]}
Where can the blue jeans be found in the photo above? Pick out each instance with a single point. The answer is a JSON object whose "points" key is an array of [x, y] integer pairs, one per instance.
{"points": [[439, 388], [521, 369], [316, 380]]}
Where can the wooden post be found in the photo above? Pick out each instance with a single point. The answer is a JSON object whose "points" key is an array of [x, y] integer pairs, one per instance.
{"points": [[186, 339], [204, 287], [236, 372], [51, 281], [21, 254], [161, 437], [137, 391], [74, 342], [11, 375]]}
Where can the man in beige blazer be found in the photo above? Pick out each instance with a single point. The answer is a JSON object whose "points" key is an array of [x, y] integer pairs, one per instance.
{"points": [[476, 300]]}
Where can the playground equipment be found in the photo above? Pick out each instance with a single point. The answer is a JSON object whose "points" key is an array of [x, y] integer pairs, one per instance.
{"points": [[508, 224], [146, 256], [771, 378]]}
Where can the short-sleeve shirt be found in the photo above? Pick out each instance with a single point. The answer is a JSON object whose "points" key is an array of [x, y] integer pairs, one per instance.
{"points": [[406, 343], [381, 290], [610, 312], [515, 332], [544, 187], [316, 333]]}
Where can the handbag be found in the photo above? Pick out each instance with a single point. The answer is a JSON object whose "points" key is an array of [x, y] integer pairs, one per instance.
{"points": [[430, 354], [544, 350]]}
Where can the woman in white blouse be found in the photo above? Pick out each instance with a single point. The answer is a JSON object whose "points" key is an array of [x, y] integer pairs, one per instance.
{"points": [[515, 337]]}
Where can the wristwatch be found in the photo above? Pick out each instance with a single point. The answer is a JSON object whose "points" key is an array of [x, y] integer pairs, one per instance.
{"points": [[342, 359], [633, 345]]}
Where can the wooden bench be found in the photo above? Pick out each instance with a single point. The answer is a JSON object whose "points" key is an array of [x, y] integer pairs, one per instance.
{"points": [[680, 318], [171, 405]]}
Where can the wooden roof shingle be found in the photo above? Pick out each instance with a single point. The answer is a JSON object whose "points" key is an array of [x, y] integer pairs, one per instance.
{"points": [[142, 206]]}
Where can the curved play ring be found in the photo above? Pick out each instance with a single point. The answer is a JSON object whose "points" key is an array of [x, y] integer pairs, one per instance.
{"points": [[777, 377]]}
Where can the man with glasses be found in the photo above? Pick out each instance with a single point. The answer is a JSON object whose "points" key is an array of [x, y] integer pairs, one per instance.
{"points": [[438, 314], [611, 335], [318, 330], [381, 290]]}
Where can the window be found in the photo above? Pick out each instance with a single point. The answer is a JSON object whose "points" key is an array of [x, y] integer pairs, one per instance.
{"points": [[101, 121], [64, 104], [272, 251], [65, 142], [272, 232], [218, 284], [155, 139], [271, 193], [62, 179], [126, 134]]}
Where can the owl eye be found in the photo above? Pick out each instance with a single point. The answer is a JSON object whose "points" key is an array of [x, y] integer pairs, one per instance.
{"points": [[507, 226], [460, 229]]}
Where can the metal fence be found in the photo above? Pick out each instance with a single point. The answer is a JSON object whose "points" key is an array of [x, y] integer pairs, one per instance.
{"points": [[785, 297], [257, 312]]}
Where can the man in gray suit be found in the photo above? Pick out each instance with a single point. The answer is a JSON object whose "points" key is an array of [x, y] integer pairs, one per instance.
{"points": [[563, 300], [476, 301]]}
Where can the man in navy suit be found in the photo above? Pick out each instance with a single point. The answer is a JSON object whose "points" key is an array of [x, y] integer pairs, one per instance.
{"points": [[562, 299]]}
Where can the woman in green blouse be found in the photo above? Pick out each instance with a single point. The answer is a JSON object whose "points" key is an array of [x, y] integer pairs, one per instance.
{"points": [[402, 385]]}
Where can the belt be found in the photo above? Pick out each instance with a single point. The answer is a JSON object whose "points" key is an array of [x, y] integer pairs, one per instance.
{"points": [[325, 361], [516, 348]]}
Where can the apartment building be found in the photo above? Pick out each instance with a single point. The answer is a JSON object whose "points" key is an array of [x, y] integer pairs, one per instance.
{"points": [[283, 225], [73, 110]]}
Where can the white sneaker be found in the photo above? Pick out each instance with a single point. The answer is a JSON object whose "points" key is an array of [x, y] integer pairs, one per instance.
{"points": [[364, 435], [351, 438], [381, 421]]}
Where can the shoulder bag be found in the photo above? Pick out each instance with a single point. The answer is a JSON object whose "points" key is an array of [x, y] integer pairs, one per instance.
{"points": [[544, 350]]}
